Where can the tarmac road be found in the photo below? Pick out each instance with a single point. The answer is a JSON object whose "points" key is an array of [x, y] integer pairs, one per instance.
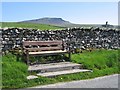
{"points": [[110, 81]]}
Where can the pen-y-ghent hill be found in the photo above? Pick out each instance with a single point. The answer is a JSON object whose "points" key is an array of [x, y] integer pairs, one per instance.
{"points": [[49, 21], [62, 23]]}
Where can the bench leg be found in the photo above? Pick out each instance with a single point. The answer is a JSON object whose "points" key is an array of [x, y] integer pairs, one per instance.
{"points": [[27, 57], [37, 62], [69, 56], [24, 58], [17, 56]]}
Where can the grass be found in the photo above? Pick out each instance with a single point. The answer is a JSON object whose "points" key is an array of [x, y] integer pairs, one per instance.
{"points": [[29, 25], [98, 59], [14, 74], [102, 62]]}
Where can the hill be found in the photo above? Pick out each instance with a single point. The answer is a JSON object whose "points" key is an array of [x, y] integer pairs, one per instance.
{"points": [[49, 21], [59, 22]]}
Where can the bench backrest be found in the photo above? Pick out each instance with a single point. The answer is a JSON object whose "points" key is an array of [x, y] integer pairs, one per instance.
{"points": [[43, 45]]}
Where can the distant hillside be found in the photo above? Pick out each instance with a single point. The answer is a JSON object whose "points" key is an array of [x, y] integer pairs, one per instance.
{"points": [[49, 21], [58, 22], [29, 25]]}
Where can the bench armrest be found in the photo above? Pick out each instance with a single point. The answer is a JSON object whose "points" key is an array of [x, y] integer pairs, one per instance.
{"points": [[25, 51]]}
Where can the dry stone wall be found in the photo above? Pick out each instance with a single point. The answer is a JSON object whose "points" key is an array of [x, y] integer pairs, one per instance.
{"points": [[81, 38]]}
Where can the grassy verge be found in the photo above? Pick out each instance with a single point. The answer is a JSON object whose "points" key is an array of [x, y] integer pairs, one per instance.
{"points": [[102, 62], [29, 25], [98, 59]]}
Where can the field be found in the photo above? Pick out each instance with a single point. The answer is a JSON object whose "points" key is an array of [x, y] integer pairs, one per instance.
{"points": [[42, 26], [45, 26], [102, 62], [29, 25]]}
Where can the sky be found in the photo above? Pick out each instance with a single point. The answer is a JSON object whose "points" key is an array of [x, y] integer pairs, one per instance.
{"points": [[75, 12]]}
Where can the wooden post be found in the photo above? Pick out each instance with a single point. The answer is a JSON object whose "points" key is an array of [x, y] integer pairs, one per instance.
{"points": [[27, 57]]}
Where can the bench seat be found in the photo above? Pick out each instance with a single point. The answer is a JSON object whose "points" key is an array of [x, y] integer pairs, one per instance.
{"points": [[47, 52]]}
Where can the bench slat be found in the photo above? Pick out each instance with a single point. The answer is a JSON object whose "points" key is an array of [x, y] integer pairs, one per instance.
{"points": [[44, 48], [47, 43], [47, 52]]}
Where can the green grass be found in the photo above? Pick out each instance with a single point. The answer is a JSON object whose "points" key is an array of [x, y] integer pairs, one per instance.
{"points": [[102, 62], [14, 74], [98, 59], [29, 25]]}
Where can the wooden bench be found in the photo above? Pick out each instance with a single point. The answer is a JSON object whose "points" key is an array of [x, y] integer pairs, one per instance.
{"points": [[36, 48]]}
